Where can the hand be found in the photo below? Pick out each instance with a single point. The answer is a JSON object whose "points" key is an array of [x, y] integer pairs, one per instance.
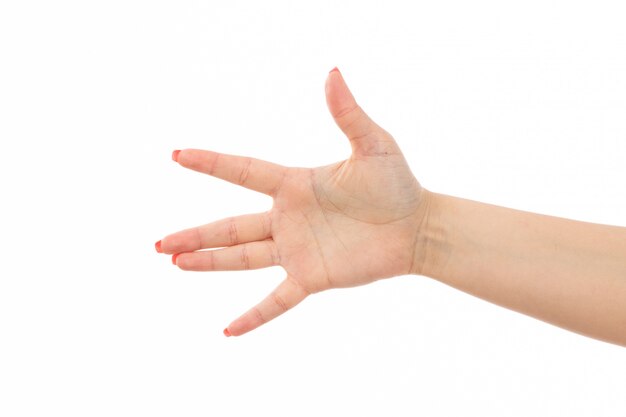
{"points": [[340, 225]]}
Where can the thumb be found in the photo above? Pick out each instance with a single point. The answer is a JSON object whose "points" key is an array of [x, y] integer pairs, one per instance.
{"points": [[366, 137], [286, 296]]}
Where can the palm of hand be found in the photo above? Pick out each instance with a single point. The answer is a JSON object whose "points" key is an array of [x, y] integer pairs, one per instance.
{"points": [[340, 225], [346, 224]]}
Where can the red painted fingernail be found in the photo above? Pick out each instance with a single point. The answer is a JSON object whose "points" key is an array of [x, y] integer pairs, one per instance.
{"points": [[227, 333], [334, 69], [175, 155], [158, 247], [174, 256]]}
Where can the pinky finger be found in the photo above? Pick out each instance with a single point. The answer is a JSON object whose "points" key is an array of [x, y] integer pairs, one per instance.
{"points": [[286, 296]]}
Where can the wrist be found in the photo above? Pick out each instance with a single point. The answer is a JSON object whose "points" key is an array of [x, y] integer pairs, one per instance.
{"points": [[432, 247]]}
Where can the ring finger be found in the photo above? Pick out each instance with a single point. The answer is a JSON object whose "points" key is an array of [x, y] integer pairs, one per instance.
{"points": [[252, 255]]}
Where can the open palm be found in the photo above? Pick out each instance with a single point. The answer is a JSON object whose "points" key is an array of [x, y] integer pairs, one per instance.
{"points": [[340, 225]]}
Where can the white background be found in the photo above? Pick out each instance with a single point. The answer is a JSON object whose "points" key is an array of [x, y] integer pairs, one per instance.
{"points": [[520, 104]]}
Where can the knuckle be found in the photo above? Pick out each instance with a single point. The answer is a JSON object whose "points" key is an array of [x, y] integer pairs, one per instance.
{"points": [[348, 111], [198, 236], [245, 257], [273, 251], [232, 231], [213, 164], [356, 117], [245, 172], [279, 301], [211, 260], [257, 314]]}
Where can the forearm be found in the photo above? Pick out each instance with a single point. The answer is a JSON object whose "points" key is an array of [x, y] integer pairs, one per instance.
{"points": [[569, 273]]}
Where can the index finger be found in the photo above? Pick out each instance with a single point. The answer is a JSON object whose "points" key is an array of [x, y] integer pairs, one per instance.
{"points": [[255, 174]]}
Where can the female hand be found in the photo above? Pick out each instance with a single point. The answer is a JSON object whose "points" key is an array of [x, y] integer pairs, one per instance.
{"points": [[340, 225]]}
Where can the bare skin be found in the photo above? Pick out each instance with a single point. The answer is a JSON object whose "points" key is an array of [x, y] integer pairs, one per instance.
{"points": [[368, 218]]}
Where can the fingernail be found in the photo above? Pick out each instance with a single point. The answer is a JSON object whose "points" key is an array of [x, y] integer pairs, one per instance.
{"points": [[227, 333], [175, 155], [174, 256], [334, 69], [158, 247]]}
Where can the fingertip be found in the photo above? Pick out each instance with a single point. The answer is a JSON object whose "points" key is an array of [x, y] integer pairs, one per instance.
{"points": [[339, 98], [334, 77], [239, 326], [175, 155], [158, 248], [227, 332], [174, 256]]}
